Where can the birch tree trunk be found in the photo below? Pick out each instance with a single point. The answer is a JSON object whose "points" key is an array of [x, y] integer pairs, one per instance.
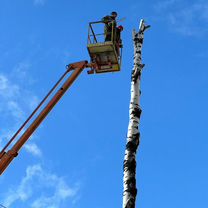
{"points": [[133, 135]]}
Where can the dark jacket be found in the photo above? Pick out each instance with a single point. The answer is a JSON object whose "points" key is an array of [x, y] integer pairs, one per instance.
{"points": [[110, 26]]}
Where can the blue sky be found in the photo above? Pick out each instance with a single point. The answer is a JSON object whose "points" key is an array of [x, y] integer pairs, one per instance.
{"points": [[75, 158]]}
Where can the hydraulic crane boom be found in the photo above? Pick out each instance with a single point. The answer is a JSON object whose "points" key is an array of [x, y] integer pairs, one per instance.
{"points": [[6, 157], [105, 57]]}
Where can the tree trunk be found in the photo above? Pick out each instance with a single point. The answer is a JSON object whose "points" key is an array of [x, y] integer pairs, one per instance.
{"points": [[133, 136]]}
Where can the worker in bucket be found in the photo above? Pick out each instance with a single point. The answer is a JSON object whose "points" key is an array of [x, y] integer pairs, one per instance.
{"points": [[119, 44], [110, 26], [119, 29]]}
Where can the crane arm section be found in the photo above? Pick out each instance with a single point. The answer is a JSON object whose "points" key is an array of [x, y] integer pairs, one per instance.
{"points": [[6, 157]]}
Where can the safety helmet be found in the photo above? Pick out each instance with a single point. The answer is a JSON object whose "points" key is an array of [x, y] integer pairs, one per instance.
{"points": [[120, 27], [114, 13]]}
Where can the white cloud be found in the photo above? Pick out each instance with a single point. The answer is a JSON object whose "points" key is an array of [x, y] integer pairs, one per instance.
{"points": [[39, 2], [3, 82], [33, 102], [38, 188], [8, 93], [7, 89], [16, 102], [61, 193], [161, 5], [24, 190], [52, 190], [20, 71], [33, 149], [15, 110], [189, 19], [5, 136]]}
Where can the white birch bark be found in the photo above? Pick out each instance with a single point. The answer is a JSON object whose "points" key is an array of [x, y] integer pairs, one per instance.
{"points": [[133, 135]]}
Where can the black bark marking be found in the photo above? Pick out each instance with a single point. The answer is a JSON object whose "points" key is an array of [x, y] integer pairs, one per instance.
{"points": [[135, 74], [132, 186], [137, 112], [141, 40], [130, 203], [139, 52], [136, 38], [134, 143], [130, 165], [132, 103]]}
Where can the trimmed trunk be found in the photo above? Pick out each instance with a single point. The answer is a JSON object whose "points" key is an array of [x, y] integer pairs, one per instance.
{"points": [[133, 136]]}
